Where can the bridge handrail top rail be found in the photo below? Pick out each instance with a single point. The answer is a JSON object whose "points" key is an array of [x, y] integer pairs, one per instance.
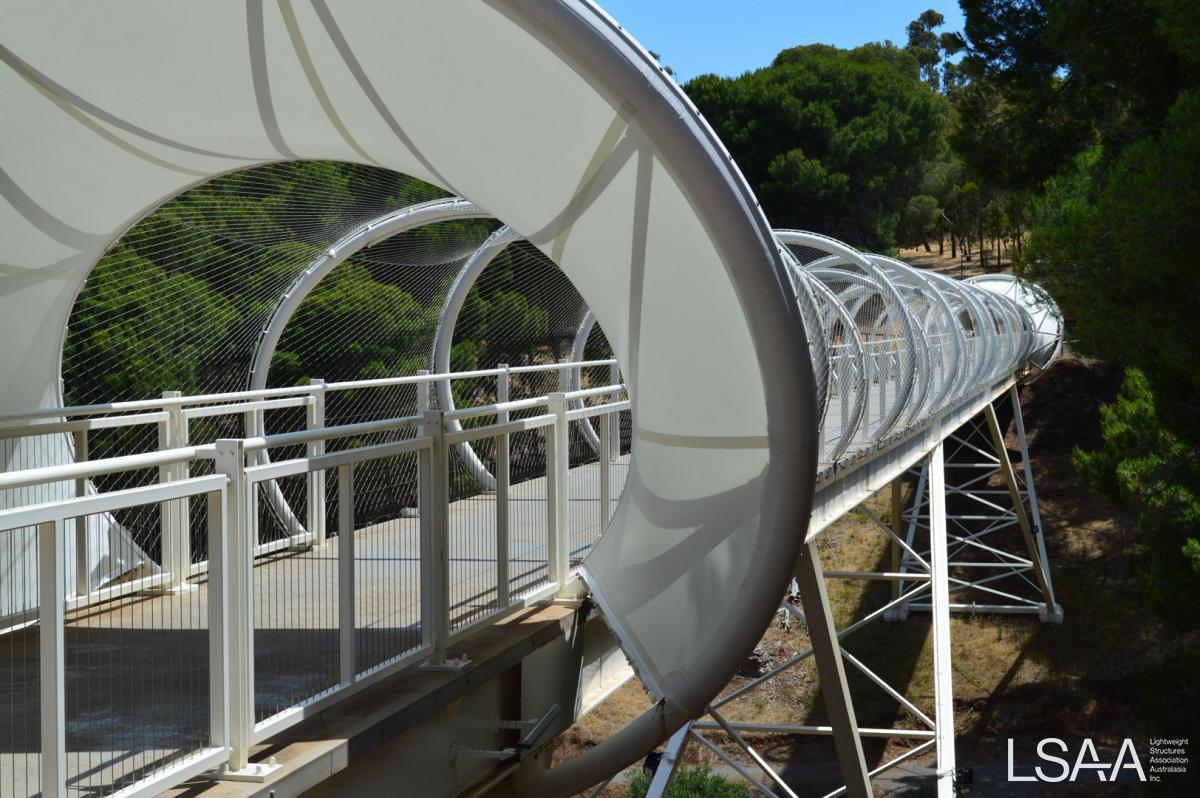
{"points": [[267, 393], [332, 433], [92, 504], [87, 469]]}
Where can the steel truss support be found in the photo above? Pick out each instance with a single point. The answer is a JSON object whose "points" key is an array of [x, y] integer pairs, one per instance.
{"points": [[926, 577], [996, 547]]}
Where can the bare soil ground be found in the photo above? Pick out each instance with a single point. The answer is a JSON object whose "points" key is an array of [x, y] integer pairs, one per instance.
{"points": [[1013, 676], [954, 266]]}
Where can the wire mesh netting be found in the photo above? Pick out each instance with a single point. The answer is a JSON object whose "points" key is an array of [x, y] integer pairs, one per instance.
{"points": [[136, 695]]}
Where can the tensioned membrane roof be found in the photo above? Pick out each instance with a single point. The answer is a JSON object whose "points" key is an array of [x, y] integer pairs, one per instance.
{"points": [[550, 118]]}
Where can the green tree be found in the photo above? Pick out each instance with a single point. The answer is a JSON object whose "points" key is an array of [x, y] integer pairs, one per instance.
{"points": [[919, 220], [514, 325], [391, 325], [926, 46], [830, 139], [1148, 469], [1117, 250], [133, 346]]}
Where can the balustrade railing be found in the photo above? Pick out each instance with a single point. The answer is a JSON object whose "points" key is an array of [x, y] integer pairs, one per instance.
{"points": [[212, 626]]}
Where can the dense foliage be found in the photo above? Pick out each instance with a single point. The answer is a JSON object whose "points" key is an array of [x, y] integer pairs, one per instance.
{"points": [[179, 302], [1091, 112], [832, 140], [1148, 468]]}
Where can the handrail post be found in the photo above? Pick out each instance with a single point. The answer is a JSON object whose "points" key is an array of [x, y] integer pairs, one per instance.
{"points": [[614, 445], [254, 427], [218, 619], [346, 590], [316, 478], [558, 517], [503, 598], [176, 537], [422, 391], [434, 464], [51, 664], [230, 460], [83, 554], [564, 375], [605, 466]]}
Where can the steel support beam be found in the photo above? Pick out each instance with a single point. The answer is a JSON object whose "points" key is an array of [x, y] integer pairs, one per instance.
{"points": [[828, 655], [943, 689], [1014, 492]]}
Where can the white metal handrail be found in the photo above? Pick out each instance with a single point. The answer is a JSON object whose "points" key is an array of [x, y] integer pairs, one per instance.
{"points": [[233, 550], [267, 393], [50, 520]]}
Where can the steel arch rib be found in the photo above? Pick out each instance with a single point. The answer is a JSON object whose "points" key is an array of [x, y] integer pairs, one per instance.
{"points": [[858, 356], [856, 258], [443, 340], [954, 329], [407, 218], [575, 379]]}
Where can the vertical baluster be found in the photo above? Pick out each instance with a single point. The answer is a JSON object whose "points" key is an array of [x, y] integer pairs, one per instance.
{"points": [[605, 466], [83, 558], [253, 423], [176, 542], [614, 378], [503, 599], [51, 666], [316, 478], [346, 591], [557, 494], [230, 460], [218, 620]]}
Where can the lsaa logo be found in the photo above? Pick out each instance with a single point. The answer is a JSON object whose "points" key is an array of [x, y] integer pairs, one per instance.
{"points": [[1086, 760]]}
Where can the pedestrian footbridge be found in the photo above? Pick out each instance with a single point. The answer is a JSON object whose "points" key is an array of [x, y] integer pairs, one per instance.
{"points": [[581, 415]]}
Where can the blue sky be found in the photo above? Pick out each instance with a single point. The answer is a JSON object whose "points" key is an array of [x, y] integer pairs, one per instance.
{"points": [[729, 37]]}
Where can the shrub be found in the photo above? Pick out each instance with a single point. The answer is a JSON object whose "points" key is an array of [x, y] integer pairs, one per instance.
{"points": [[1145, 467], [698, 782]]}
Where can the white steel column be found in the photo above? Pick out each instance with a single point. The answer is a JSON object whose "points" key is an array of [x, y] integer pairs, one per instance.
{"points": [[83, 554], [316, 479], [1014, 492], [434, 465], [668, 765], [218, 620], [828, 655], [346, 590], [943, 689], [230, 460], [1054, 612], [896, 508], [557, 494], [51, 666], [503, 597]]}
